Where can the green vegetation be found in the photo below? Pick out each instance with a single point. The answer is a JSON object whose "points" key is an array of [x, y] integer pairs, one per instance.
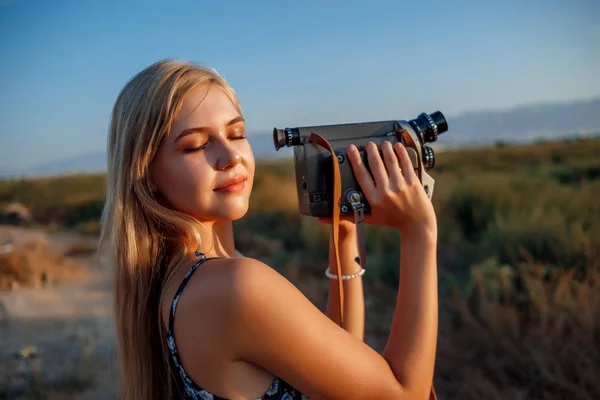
{"points": [[519, 261], [512, 203]]}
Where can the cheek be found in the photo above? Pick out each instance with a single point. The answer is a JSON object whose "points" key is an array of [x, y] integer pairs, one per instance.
{"points": [[248, 156], [184, 181]]}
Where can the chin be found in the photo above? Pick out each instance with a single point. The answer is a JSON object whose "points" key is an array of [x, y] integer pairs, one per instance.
{"points": [[234, 216], [232, 213]]}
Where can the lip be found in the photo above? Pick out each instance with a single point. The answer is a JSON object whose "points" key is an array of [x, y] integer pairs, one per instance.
{"points": [[232, 185]]}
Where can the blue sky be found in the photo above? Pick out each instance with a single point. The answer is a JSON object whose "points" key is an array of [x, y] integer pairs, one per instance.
{"points": [[62, 63]]}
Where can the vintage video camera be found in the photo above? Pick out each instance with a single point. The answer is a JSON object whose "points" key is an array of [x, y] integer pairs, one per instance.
{"points": [[314, 168]]}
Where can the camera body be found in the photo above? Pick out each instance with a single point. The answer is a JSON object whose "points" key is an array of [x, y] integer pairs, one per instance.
{"points": [[314, 164]]}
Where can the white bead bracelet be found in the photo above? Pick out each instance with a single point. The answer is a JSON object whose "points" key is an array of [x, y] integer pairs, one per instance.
{"points": [[344, 277]]}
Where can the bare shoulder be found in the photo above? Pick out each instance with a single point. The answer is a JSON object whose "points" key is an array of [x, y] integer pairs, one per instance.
{"points": [[274, 326]]}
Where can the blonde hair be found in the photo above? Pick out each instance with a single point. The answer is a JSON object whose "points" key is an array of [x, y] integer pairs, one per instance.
{"points": [[136, 228]]}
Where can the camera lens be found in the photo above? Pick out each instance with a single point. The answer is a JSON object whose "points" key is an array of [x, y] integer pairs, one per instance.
{"points": [[429, 126], [439, 119], [278, 138], [285, 137], [428, 158]]}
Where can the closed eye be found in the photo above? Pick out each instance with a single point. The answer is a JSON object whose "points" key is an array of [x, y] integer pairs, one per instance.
{"points": [[194, 149]]}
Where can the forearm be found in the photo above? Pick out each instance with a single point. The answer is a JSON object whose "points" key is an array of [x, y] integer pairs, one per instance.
{"points": [[354, 301], [411, 345]]}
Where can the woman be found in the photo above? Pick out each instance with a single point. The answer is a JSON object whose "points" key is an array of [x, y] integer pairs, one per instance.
{"points": [[180, 170]]}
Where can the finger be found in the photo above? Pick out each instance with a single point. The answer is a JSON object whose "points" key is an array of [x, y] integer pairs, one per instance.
{"points": [[376, 164], [405, 164], [360, 171], [391, 163]]}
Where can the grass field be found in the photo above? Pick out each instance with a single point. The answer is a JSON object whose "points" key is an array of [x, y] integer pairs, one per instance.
{"points": [[509, 203], [519, 259]]}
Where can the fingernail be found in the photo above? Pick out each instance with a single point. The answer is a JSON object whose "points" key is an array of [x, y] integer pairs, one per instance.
{"points": [[352, 148]]}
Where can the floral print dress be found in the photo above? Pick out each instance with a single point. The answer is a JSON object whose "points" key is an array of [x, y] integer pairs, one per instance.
{"points": [[279, 389]]}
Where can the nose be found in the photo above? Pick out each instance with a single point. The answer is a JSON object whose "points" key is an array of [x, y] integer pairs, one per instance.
{"points": [[228, 157]]}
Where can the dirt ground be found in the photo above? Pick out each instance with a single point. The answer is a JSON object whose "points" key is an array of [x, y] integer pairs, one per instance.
{"points": [[57, 341]]}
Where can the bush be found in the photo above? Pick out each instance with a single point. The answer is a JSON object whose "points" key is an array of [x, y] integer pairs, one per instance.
{"points": [[522, 332]]}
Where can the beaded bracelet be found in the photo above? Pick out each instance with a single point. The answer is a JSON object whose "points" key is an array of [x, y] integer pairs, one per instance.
{"points": [[344, 277]]}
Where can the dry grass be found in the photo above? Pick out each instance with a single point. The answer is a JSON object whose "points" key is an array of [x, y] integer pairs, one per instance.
{"points": [[33, 264], [522, 333], [519, 330], [276, 194]]}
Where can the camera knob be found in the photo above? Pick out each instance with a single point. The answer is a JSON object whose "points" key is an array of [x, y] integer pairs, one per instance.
{"points": [[428, 158]]}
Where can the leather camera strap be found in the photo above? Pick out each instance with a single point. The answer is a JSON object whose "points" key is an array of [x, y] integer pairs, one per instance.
{"points": [[337, 195]]}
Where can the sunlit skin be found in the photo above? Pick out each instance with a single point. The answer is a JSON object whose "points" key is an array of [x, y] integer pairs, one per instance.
{"points": [[239, 322]]}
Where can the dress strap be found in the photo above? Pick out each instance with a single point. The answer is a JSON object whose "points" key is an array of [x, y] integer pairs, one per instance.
{"points": [[201, 258]]}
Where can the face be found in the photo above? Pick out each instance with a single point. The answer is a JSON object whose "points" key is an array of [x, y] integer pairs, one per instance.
{"points": [[205, 167]]}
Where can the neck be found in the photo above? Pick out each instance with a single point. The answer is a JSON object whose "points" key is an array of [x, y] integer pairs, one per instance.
{"points": [[222, 243], [218, 235], [217, 242]]}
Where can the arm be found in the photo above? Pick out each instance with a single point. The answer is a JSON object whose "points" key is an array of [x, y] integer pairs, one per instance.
{"points": [[354, 300], [280, 330], [411, 346]]}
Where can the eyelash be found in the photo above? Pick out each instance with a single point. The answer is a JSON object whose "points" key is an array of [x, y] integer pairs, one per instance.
{"points": [[194, 149]]}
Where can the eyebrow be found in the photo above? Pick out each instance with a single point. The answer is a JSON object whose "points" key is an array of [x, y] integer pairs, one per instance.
{"points": [[203, 129]]}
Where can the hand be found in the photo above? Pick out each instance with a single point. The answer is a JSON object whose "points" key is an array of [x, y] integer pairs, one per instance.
{"points": [[396, 195]]}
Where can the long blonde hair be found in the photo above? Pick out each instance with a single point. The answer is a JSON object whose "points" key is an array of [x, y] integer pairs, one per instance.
{"points": [[136, 228]]}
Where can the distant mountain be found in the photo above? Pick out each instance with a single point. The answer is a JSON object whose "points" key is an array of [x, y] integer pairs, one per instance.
{"points": [[524, 123], [84, 163], [262, 147], [517, 125]]}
